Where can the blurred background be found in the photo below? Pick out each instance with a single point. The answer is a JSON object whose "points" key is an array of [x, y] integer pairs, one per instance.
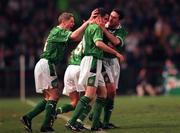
{"points": [[152, 47]]}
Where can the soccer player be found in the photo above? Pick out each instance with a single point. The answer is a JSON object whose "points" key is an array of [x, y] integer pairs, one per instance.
{"points": [[90, 74], [71, 87], [115, 35], [86, 111], [45, 74]]}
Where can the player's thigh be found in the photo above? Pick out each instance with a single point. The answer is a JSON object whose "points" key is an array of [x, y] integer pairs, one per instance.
{"points": [[90, 92], [44, 80], [107, 74], [53, 93], [102, 91], [111, 88]]}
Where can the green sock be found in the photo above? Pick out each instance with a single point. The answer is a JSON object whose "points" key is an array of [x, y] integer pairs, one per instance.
{"points": [[66, 108], [82, 104], [37, 109], [50, 111], [91, 115], [108, 110], [100, 102], [85, 113]]}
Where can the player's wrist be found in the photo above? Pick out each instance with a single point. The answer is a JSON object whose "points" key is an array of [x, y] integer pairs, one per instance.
{"points": [[116, 53]]}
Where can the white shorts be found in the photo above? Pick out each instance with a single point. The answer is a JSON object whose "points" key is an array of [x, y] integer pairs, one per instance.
{"points": [[112, 69], [71, 80], [43, 80], [89, 77]]}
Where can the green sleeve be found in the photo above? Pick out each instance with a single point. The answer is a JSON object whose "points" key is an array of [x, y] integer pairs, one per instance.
{"points": [[59, 35], [98, 34], [121, 34]]}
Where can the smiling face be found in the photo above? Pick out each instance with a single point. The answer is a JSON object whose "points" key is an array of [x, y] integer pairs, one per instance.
{"points": [[69, 24], [102, 20], [106, 18], [114, 19], [102, 17], [66, 20]]}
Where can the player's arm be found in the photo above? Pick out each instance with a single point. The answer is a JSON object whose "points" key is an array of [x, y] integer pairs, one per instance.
{"points": [[100, 44], [78, 33], [113, 39]]}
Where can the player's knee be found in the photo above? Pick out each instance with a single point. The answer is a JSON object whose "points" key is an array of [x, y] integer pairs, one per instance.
{"points": [[54, 97], [111, 94], [102, 92], [90, 94], [74, 102]]}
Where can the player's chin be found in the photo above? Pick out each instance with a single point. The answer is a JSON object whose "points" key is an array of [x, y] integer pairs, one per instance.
{"points": [[71, 26]]}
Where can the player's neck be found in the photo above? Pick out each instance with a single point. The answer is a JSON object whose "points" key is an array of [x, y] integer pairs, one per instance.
{"points": [[115, 26], [63, 26]]}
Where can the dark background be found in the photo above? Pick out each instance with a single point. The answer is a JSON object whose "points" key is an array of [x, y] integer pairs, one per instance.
{"points": [[153, 26]]}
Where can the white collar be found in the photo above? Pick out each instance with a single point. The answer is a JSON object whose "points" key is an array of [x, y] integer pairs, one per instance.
{"points": [[59, 26], [118, 27]]}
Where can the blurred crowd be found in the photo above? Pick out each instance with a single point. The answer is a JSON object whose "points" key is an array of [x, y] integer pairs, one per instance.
{"points": [[153, 26]]}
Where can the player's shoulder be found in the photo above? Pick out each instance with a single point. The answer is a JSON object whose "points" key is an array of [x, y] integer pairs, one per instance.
{"points": [[93, 26], [122, 30], [58, 29], [55, 29]]}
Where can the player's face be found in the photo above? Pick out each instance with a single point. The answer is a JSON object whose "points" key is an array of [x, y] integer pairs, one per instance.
{"points": [[105, 19], [114, 19], [70, 23]]}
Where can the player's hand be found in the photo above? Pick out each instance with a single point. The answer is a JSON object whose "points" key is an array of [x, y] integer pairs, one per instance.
{"points": [[94, 14], [120, 57], [91, 19]]}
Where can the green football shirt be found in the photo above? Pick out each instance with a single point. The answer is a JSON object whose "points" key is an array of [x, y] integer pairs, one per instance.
{"points": [[92, 34], [121, 33], [56, 44], [76, 55]]}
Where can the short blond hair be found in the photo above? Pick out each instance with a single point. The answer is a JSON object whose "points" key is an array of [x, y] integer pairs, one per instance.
{"points": [[64, 16]]}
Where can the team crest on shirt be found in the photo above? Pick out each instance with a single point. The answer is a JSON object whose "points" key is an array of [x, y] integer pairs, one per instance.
{"points": [[106, 78], [91, 81], [91, 30]]}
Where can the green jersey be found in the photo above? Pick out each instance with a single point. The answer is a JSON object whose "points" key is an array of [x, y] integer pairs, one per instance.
{"points": [[92, 34], [76, 55], [119, 32], [56, 44]]}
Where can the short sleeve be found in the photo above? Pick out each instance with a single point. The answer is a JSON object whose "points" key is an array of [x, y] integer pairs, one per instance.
{"points": [[98, 34], [59, 35], [63, 35], [121, 34]]}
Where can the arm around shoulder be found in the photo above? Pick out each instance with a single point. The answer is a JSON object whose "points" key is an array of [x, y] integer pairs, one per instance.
{"points": [[78, 33]]}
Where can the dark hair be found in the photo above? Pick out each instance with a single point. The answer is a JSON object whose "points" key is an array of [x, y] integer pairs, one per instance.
{"points": [[64, 16], [102, 12], [120, 12]]}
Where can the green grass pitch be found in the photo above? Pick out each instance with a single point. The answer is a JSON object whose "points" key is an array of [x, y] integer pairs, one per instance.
{"points": [[131, 113]]}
